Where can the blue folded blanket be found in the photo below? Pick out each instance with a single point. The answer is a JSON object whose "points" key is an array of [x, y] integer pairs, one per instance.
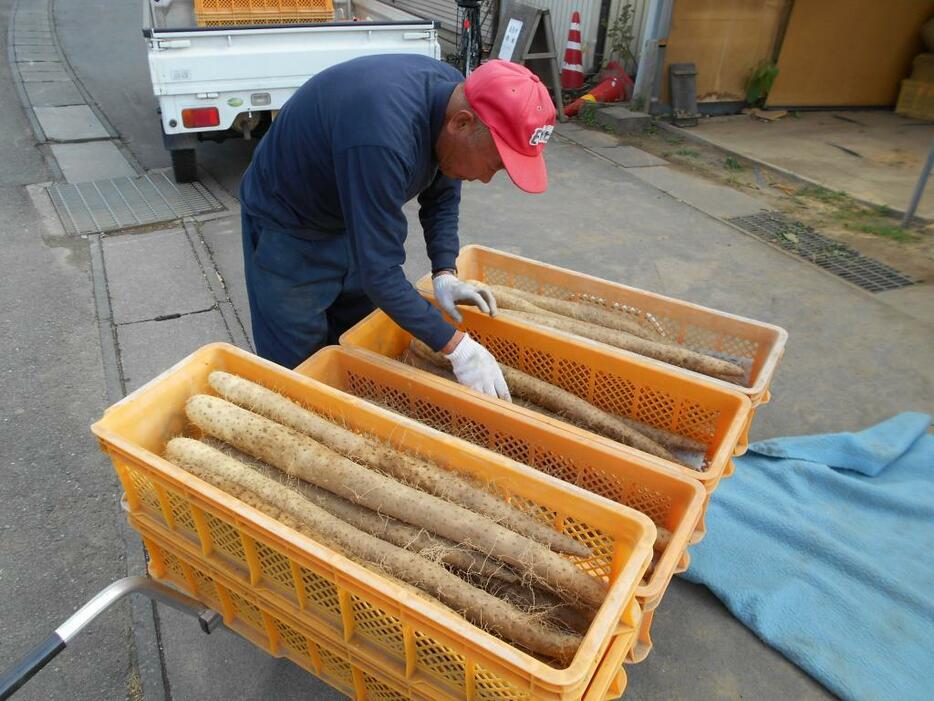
{"points": [[824, 546]]}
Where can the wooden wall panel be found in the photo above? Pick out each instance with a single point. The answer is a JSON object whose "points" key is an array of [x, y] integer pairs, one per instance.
{"points": [[848, 52], [725, 39]]}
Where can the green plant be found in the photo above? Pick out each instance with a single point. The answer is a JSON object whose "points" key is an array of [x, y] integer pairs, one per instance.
{"points": [[760, 81], [619, 36], [687, 153], [888, 231], [732, 164], [823, 194], [588, 114]]}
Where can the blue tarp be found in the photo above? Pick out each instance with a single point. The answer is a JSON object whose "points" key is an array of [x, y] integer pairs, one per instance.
{"points": [[824, 546]]}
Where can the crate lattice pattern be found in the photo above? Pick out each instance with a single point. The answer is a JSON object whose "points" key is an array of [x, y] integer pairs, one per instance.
{"points": [[492, 687], [835, 257], [439, 661], [181, 514], [145, 491], [321, 594], [275, 567], [225, 538], [378, 691], [683, 333], [375, 624], [218, 13], [434, 658]]}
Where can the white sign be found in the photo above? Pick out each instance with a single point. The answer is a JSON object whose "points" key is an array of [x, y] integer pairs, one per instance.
{"points": [[509, 39]]}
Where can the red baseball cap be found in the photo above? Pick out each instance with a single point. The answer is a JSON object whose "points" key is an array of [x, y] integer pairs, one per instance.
{"points": [[517, 109]]}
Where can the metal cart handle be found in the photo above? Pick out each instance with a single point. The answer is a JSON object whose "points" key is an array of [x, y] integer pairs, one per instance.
{"points": [[37, 658]]}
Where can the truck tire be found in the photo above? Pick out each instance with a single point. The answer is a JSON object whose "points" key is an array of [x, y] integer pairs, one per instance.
{"points": [[184, 165]]}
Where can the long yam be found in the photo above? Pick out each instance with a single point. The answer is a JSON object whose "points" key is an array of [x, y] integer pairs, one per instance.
{"points": [[385, 527], [537, 602], [408, 468], [673, 355], [572, 310]]}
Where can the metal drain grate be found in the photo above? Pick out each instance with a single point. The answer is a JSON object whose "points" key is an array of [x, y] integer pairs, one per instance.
{"points": [[122, 203], [833, 256]]}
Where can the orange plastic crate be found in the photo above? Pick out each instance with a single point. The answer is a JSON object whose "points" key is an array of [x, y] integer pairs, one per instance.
{"points": [[356, 671], [209, 13], [431, 648], [756, 345], [620, 384], [671, 501]]}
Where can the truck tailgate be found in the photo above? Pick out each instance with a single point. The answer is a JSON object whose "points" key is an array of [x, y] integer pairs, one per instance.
{"points": [[227, 59]]}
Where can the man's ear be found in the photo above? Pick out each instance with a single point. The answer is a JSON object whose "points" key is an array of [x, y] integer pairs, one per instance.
{"points": [[461, 122]]}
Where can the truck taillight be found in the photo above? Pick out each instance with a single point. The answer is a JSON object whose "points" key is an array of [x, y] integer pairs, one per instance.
{"points": [[201, 117]]}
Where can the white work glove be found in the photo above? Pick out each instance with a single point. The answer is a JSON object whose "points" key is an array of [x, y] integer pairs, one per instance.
{"points": [[476, 368], [449, 291]]}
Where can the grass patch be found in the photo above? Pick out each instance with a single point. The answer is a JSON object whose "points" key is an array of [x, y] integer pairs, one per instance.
{"points": [[732, 164], [888, 231], [877, 220], [823, 194], [687, 153]]}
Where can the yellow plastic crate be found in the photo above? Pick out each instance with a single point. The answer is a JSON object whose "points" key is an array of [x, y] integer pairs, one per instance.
{"points": [[756, 345], [211, 13], [358, 672], [430, 647], [250, 20], [671, 501], [619, 384]]}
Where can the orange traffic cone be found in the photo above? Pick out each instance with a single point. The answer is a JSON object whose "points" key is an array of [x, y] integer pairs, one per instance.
{"points": [[610, 90], [572, 70]]}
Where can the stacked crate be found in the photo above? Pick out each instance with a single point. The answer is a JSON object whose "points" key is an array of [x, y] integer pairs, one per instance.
{"points": [[710, 411], [366, 634]]}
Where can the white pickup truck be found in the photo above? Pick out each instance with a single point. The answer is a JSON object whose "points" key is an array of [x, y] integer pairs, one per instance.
{"points": [[214, 83]]}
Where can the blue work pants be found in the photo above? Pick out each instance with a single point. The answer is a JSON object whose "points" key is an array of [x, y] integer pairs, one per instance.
{"points": [[303, 293]]}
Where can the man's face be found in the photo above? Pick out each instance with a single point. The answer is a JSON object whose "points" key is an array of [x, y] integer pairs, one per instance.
{"points": [[466, 150]]}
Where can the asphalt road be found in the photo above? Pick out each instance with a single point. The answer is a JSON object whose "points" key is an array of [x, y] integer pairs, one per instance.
{"points": [[61, 539]]}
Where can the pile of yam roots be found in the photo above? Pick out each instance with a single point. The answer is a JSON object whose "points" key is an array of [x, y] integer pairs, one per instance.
{"points": [[427, 526], [553, 401], [609, 327]]}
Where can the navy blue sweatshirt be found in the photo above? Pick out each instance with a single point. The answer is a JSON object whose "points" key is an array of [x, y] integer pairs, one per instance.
{"points": [[345, 153]]}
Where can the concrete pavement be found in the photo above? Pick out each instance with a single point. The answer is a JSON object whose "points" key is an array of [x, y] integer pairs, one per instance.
{"points": [[160, 294], [61, 534]]}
